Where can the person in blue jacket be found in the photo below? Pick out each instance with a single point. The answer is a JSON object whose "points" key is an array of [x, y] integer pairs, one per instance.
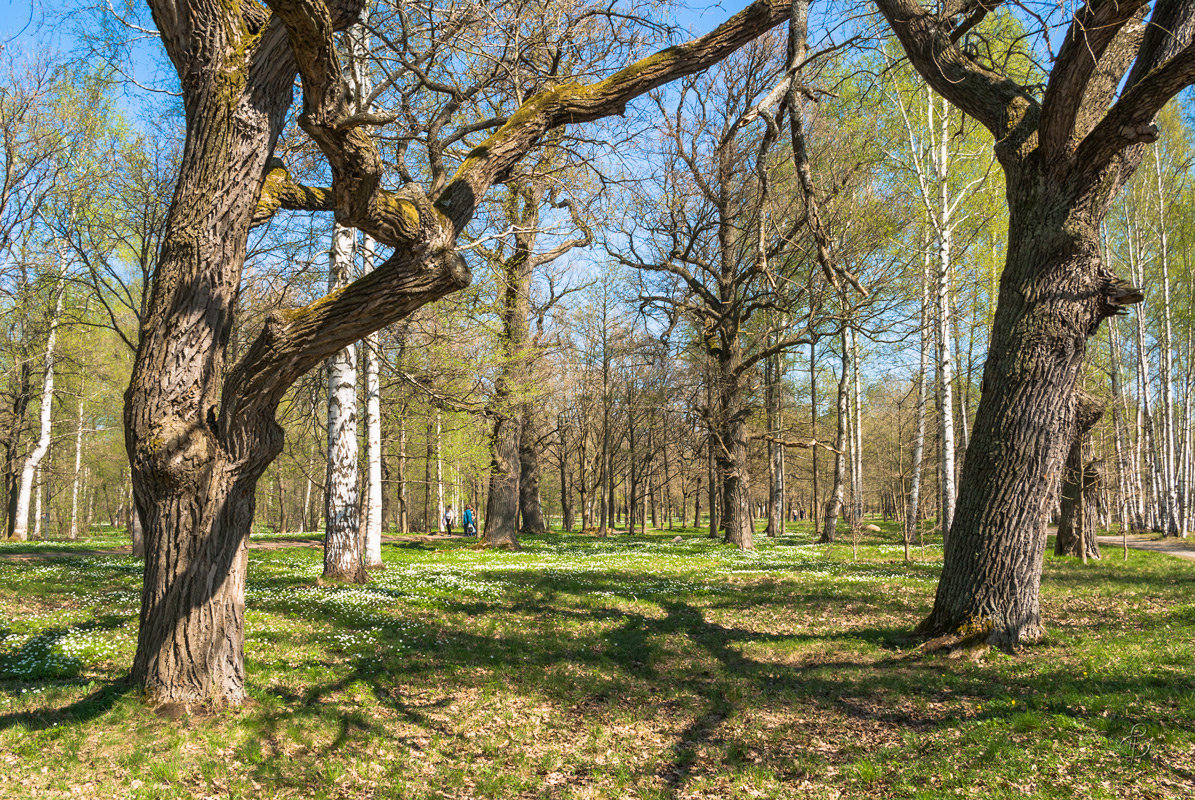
{"points": [[468, 521]]}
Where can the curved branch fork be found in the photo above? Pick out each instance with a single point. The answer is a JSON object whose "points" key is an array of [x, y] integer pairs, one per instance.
{"points": [[421, 229], [294, 341]]}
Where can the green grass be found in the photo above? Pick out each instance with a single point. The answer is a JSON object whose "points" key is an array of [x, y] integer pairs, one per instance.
{"points": [[609, 668]]}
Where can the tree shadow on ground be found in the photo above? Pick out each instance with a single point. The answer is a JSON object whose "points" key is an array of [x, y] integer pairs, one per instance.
{"points": [[694, 653], [97, 703]]}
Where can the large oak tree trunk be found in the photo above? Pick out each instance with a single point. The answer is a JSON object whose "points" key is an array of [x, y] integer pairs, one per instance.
{"points": [[1053, 295], [502, 506], [194, 488], [732, 450]]}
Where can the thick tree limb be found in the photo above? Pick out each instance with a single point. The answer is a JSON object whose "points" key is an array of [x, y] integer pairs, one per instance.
{"points": [[997, 103], [1130, 120], [1092, 31], [797, 48], [573, 103], [803, 444], [281, 191], [424, 265]]}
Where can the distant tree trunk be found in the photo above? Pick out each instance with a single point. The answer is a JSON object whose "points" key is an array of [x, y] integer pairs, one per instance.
{"points": [[567, 513], [583, 499], [857, 427], [1152, 485], [913, 512], [305, 523], [13, 442], [775, 449], [428, 458], [1123, 470], [400, 476], [834, 502], [136, 532], [343, 558], [1169, 497], [813, 506], [74, 530], [281, 486], [1080, 486], [712, 474], [531, 509], [37, 501]]}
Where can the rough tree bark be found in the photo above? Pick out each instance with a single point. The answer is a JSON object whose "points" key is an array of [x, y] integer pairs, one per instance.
{"points": [[1064, 157], [531, 510], [731, 448]]}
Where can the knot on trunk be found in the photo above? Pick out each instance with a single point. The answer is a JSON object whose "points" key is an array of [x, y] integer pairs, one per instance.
{"points": [[176, 452], [1115, 295]]}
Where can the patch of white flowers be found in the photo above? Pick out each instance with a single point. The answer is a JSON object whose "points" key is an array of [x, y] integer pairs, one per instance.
{"points": [[55, 652]]}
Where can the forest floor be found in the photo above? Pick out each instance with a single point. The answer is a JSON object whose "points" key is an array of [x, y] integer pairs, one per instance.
{"points": [[626, 667]]}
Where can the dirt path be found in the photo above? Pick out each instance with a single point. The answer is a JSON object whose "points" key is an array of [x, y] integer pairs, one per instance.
{"points": [[276, 543], [1182, 548]]}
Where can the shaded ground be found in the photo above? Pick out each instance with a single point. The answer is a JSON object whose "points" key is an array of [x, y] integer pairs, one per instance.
{"points": [[627, 667]]}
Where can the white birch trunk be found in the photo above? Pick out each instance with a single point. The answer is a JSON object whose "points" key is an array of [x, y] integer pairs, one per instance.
{"points": [[373, 435], [20, 531], [945, 232], [1169, 471], [343, 559], [1185, 448], [74, 530], [834, 503], [1154, 513], [1123, 472], [913, 512]]}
